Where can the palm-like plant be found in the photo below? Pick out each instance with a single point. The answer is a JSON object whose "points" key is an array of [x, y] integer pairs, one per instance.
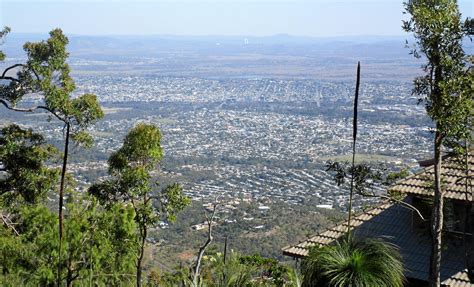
{"points": [[227, 273], [369, 262]]}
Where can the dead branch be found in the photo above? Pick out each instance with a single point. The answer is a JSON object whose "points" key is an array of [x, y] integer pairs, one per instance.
{"points": [[8, 223], [202, 249], [404, 204], [394, 200]]}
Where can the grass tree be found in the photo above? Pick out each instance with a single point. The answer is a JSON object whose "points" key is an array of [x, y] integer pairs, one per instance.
{"points": [[368, 262], [131, 182], [445, 88]]}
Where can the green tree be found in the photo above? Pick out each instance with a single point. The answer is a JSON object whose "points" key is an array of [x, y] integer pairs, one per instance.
{"points": [[98, 242], [46, 72], [370, 262], [3, 33], [131, 182], [227, 272], [22, 160], [446, 89], [98, 245]]}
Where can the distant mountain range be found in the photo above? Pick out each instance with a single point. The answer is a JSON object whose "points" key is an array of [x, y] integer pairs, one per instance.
{"points": [[129, 44], [237, 56]]}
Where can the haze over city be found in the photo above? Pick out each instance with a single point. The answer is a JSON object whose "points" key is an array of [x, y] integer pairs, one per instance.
{"points": [[204, 143], [320, 18]]}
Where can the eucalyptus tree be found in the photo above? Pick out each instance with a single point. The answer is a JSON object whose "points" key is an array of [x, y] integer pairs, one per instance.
{"points": [[446, 89], [98, 246], [131, 182], [25, 176], [47, 73], [98, 243]]}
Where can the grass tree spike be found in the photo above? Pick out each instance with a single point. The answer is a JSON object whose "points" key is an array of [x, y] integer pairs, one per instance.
{"points": [[356, 100], [354, 138]]}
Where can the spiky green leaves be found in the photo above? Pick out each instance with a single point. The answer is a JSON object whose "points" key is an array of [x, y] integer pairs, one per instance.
{"points": [[368, 262]]}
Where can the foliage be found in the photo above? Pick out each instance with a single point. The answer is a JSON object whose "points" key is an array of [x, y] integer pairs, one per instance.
{"points": [[97, 245], [393, 177], [3, 33], [46, 72], [371, 262], [268, 268], [365, 175], [446, 89], [22, 158], [232, 272], [130, 169]]}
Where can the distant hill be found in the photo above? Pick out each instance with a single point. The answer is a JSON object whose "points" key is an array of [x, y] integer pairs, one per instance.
{"points": [[277, 56], [282, 43]]}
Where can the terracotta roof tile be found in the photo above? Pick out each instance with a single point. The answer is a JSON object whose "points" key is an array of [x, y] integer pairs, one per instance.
{"points": [[393, 223], [454, 180]]}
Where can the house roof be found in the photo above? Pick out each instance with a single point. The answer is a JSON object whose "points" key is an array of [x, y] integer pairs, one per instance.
{"points": [[394, 223], [453, 177], [329, 235]]}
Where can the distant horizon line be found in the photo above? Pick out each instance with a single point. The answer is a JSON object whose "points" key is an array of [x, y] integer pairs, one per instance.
{"points": [[286, 35]]}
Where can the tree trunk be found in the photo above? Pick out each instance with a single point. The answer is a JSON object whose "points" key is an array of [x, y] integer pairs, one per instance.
{"points": [[468, 239], [140, 258], [61, 198], [469, 243], [63, 179], [437, 215], [69, 278]]}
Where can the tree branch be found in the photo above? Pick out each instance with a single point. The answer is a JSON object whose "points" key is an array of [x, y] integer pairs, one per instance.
{"points": [[3, 77], [32, 109], [8, 223], [9, 79], [202, 249], [405, 204], [9, 68], [396, 201]]}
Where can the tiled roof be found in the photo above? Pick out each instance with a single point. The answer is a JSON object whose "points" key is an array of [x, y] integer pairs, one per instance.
{"points": [[394, 223], [453, 180], [333, 233]]}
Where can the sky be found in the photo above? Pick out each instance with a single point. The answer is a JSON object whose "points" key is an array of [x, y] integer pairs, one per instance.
{"points": [[314, 18]]}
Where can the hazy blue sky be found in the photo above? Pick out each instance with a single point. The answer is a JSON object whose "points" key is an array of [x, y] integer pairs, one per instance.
{"points": [[211, 17]]}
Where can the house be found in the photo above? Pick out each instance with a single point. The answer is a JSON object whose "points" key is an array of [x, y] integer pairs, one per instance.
{"points": [[403, 227]]}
